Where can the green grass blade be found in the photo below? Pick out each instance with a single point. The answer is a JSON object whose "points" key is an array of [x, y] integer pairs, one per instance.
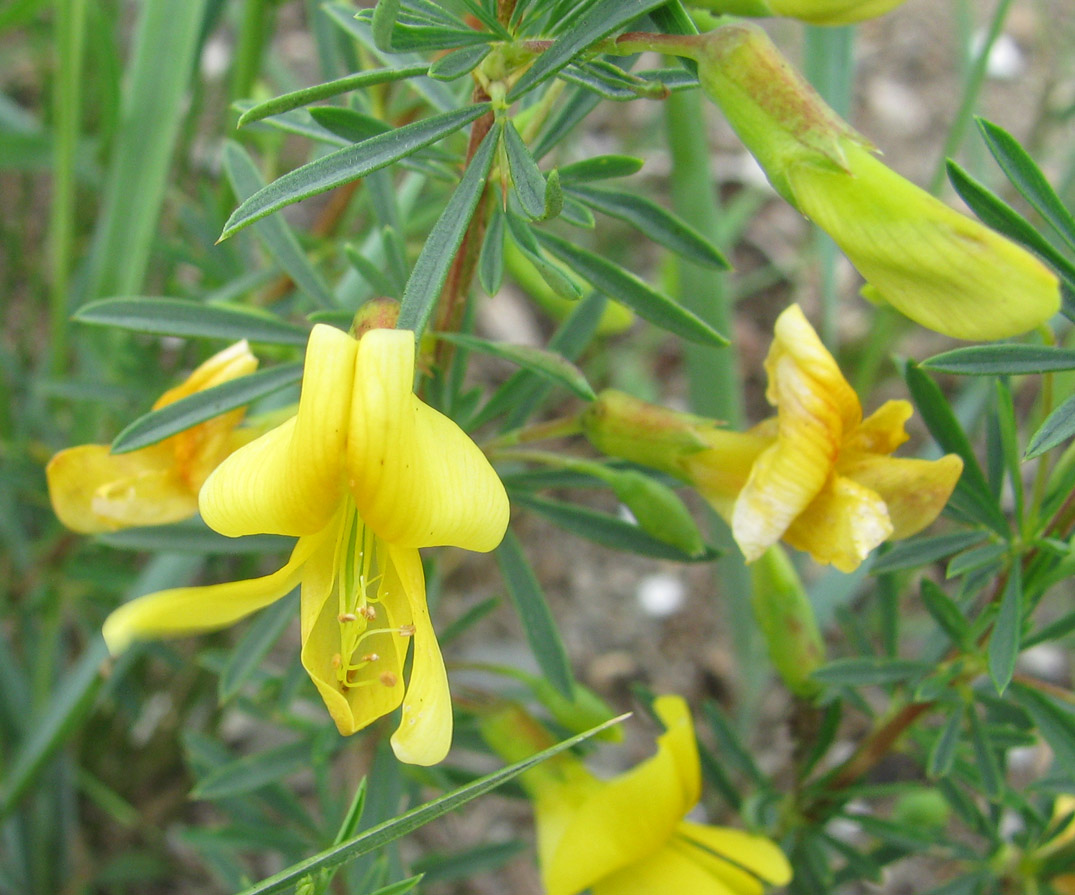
{"points": [[391, 830], [348, 164], [166, 43]]}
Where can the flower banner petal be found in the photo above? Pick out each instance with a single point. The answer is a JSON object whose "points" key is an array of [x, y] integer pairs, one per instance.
{"points": [[191, 610], [668, 870], [290, 480], [418, 480]]}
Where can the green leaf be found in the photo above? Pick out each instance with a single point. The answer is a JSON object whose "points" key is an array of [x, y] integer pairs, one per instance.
{"points": [[176, 317], [1057, 725], [346, 165], [391, 830], [986, 758], [524, 391], [598, 21], [370, 272], [349, 124], [263, 632], [50, 729], [279, 239], [491, 260], [1057, 427], [608, 531], [1003, 649], [999, 215], [946, 613], [385, 14], [915, 552], [655, 222], [522, 237], [943, 753], [730, 745], [972, 493], [194, 536], [975, 558], [624, 287], [1010, 360], [870, 670], [528, 181], [1026, 176], [197, 408], [243, 775], [600, 167], [298, 98], [539, 360], [431, 269], [534, 614], [458, 62]]}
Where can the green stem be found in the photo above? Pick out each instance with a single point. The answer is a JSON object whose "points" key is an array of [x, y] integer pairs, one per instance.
{"points": [[557, 428], [67, 96], [253, 31]]}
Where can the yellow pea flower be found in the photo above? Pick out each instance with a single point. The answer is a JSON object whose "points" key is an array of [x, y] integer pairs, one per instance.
{"points": [[93, 490], [817, 475], [629, 835], [944, 270], [816, 12], [364, 474]]}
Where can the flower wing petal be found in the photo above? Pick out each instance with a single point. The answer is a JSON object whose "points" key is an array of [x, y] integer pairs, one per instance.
{"points": [[425, 728], [418, 480], [93, 490], [882, 431], [842, 524], [915, 491], [633, 815], [759, 855], [815, 408], [190, 610], [290, 480]]}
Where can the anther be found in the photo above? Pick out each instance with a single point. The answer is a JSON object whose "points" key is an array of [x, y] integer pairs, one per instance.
{"points": [[389, 679], [407, 630], [368, 612], [345, 617], [370, 657]]}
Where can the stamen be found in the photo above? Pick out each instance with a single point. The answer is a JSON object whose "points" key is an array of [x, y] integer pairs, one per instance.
{"points": [[368, 612], [345, 617], [407, 630], [370, 657]]}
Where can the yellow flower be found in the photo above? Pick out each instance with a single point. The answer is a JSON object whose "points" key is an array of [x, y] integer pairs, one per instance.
{"points": [[93, 490], [816, 12], [817, 475], [364, 474], [628, 835], [945, 271]]}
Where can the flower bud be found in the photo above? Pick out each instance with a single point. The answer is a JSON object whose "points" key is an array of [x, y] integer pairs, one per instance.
{"points": [[944, 270], [786, 618]]}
